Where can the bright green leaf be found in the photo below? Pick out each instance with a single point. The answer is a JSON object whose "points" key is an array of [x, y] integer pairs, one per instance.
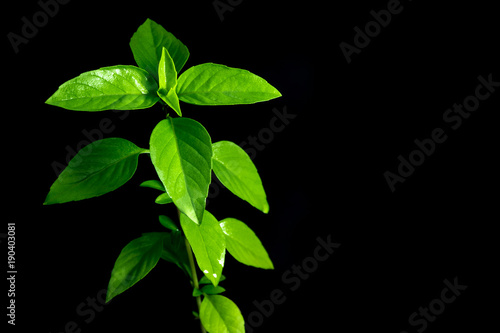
{"points": [[109, 88], [171, 99], [181, 152], [163, 199], [219, 314], [147, 44], [156, 184], [205, 280], [208, 244], [167, 74], [167, 77], [213, 84], [244, 245], [168, 223], [135, 261], [98, 168], [234, 168], [197, 292]]}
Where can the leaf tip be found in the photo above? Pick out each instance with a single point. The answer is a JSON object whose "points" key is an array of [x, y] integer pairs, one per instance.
{"points": [[265, 209], [109, 296]]}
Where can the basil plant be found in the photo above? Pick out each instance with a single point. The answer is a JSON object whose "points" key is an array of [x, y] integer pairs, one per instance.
{"points": [[183, 156]]}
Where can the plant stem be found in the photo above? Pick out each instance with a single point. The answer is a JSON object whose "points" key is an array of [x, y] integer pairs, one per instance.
{"points": [[196, 285]]}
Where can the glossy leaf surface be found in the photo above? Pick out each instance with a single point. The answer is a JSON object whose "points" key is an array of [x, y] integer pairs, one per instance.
{"points": [[208, 244], [109, 88], [181, 152], [98, 168], [234, 168], [135, 261], [219, 314], [167, 77], [213, 84], [244, 245], [147, 44]]}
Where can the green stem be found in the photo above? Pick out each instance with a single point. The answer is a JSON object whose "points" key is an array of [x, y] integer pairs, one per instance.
{"points": [[196, 284]]}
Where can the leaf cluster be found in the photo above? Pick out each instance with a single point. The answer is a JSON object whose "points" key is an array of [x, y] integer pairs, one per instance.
{"points": [[183, 156]]}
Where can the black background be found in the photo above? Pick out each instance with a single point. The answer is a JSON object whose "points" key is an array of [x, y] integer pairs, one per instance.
{"points": [[323, 173]]}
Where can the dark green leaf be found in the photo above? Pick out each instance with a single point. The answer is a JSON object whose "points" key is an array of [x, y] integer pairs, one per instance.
{"points": [[98, 168], [147, 44], [234, 168], [219, 314], [156, 184], [181, 152], [211, 290], [174, 251], [197, 292], [213, 84], [208, 244], [168, 223], [108, 88], [244, 245], [135, 261]]}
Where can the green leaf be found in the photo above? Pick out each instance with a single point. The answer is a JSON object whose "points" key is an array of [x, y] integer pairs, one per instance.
{"points": [[156, 184], [98, 168], [168, 223], [208, 244], [213, 84], [181, 152], [236, 171], [116, 87], [135, 261], [147, 44], [174, 251], [244, 245], [197, 292], [205, 280], [211, 290], [219, 314], [167, 77], [171, 99], [163, 199]]}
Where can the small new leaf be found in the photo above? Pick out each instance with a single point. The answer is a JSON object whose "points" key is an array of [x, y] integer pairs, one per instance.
{"points": [[156, 184], [109, 88], [211, 290], [168, 223], [213, 84], [98, 168], [163, 199], [167, 77]]}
